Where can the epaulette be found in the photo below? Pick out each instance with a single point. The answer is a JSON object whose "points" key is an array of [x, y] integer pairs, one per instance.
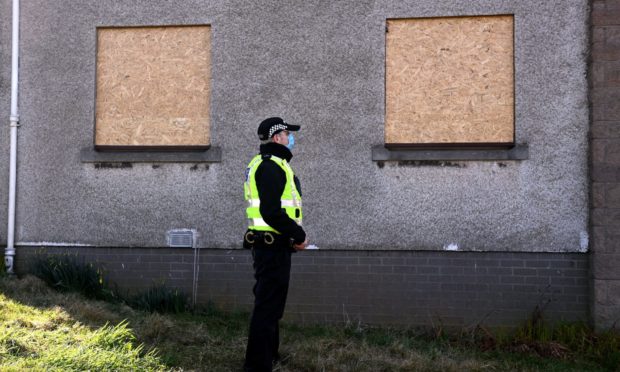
{"points": [[266, 156]]}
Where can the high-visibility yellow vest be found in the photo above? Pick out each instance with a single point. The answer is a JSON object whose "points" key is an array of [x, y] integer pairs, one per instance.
{"points": [[290, 199]]}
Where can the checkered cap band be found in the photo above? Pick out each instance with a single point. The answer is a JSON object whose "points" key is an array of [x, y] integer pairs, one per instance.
{"points": [[276, 128]]}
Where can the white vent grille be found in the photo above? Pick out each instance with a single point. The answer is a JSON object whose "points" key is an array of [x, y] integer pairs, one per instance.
{"points": [[181, 238]]}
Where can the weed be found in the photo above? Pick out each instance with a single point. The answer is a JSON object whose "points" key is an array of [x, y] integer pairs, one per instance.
{"points": [[161, 299], [67, 273], [94, 312], [11, 345], [52, 337], [561, 341], [2, 269], [49, 338], [113, 337], [156, 327]]}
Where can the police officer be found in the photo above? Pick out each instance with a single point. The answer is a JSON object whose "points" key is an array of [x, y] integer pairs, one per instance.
{"points": [[274, 213]]}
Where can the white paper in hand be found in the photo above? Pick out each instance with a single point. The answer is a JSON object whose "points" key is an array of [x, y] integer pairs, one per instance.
{"points": [[312, 246]]}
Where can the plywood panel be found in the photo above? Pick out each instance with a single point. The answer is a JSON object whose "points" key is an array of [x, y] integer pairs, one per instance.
{"points": [[450, 80], [153, 86]]}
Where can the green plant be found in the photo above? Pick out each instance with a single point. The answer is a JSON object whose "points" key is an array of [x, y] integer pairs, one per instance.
{"points": [[161, 299], [54, 337], [560, 341], [113, 337], [68, 273], [50, 338], [535, 329]]}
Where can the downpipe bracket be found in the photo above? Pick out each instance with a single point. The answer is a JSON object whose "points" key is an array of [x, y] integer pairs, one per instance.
{"points": [[9, 260]]}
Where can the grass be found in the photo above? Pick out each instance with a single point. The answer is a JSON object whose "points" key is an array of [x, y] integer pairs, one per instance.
{"points": [[43, 329], [67, 273], [40, 329], [158, 298]]}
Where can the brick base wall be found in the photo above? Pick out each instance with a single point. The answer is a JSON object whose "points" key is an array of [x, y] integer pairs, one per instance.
{"points": [[605, 162], [376, 287]]}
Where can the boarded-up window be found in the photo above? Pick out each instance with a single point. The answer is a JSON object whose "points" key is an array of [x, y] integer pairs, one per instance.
{"points": [[450, 81], [153, 87]]}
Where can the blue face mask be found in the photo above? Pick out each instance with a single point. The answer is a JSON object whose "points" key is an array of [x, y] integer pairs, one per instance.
{"points": [[291, 142]]}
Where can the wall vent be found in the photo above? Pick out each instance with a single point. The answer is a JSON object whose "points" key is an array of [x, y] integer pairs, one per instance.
{"points": [[181, 238]]}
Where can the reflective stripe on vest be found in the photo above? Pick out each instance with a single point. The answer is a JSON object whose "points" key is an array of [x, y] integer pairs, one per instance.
{"points": [[258, 222], [285, 203], [290, 199]]}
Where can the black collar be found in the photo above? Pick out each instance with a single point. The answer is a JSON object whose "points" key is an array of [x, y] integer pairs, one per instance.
{"points": [[275, 149]]}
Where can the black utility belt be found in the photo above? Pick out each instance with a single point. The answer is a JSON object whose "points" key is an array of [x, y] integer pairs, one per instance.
{"points": [[265, 240]]}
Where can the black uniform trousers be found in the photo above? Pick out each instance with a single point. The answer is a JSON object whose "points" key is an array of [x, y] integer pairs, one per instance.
{"points": [[272, 271]]}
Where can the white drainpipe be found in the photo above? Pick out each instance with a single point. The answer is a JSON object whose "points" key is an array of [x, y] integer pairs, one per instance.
{"points": [[9, 254]]}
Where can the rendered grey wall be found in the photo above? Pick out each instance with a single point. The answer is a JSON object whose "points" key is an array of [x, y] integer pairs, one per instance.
{"points": [[319, 64]]}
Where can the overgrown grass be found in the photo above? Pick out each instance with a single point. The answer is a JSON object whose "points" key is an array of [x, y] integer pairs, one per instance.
{"points": [[385, 349], [69, 273], [564, 340], [159, 298], [50, 337], [43, 329]]}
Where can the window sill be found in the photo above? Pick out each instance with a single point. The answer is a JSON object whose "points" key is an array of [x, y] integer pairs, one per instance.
{"points": [[517, 152], [212, 155]]}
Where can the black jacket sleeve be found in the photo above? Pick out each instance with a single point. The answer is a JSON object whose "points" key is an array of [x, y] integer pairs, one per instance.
{"points": [[270, 182]]}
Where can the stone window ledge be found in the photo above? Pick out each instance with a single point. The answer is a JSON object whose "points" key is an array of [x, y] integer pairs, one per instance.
{"points": [[90, 155], [517, 152]]}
